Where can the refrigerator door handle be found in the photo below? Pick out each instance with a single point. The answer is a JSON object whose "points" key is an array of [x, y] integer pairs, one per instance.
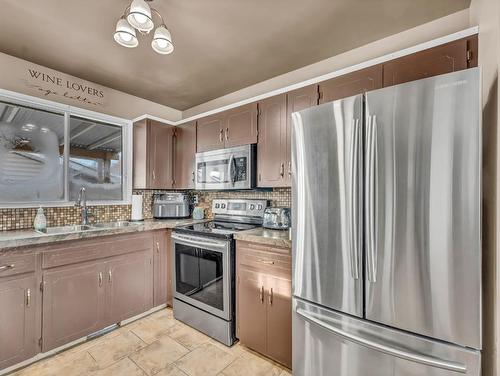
{"points": [[368, 214], [354, 199], [370, 198], [386, 349]]}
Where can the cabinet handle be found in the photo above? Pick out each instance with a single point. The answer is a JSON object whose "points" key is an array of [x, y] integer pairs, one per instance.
{"points": [[157, 247], [262, 294], [100, 279], [110, 276], [6, 267], [193, 176], [267, 262], [28, 297], [271, 296], [290, 169], [154, 175], [227, 134], [220, 135], [282, 170]]}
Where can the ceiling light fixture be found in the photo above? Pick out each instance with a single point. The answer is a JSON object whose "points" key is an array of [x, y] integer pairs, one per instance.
{"points": [[139, 16]]}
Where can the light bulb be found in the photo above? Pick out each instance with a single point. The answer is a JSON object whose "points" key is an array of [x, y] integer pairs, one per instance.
{"points": [[140, 18]]}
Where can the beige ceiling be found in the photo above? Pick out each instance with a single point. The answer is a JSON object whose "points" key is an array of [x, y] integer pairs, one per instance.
{"points": [[220, 45]]}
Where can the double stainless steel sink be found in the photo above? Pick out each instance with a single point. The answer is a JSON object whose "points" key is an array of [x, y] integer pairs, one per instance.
{"points": [[83, 228]]}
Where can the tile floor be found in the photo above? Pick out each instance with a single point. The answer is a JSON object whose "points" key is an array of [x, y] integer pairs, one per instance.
{"points": [[155, 345]]}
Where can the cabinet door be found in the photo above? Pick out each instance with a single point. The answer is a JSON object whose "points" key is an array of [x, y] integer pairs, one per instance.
{"points": [[297, 100], [129, 280], [170, 269], [351, 84], [210, 133], [160, 269], [185, 151], [160, 147], [18, 325], [73, 303], [251, 309], [279, 320], [241, 125], [140, 155], [447, 58], [271, 150]]}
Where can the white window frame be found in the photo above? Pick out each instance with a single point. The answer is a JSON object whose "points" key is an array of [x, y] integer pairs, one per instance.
{"points": [[68, 111]]}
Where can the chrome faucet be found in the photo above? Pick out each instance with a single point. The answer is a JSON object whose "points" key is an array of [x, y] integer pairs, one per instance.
{"points": [[81, 202]]}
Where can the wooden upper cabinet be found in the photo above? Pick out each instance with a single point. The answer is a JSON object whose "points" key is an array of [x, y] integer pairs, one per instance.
{"points": [[272, 145], [297, 100], [153, 155], [241, 126], [184, 156], [234, 127], [351, 84], [446, 58], [161, 156], [210, 133]]}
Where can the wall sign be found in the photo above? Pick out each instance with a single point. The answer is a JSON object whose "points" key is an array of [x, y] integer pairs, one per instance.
{"points": [[51, 85]]}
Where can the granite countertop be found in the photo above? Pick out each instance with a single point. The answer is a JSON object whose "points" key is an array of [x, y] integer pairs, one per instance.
{"points": [[24, 238], [277, 238]]}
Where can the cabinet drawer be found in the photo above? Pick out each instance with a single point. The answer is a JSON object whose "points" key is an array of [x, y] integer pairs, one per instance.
{"points": [[88, 250], [16, 264], [260, 257]]}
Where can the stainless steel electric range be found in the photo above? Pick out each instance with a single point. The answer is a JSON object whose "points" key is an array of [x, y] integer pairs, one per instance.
{"points": [[204, 267]]}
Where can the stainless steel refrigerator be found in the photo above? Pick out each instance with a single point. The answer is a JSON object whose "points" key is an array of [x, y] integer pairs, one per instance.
{"points": [[387, 232]]}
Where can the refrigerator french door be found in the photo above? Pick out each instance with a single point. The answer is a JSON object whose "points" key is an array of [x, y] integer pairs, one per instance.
{"points": [[386, 231]]}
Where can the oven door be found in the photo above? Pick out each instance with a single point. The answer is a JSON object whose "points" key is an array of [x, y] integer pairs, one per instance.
{"points": [[202, 273], [226, 169]]}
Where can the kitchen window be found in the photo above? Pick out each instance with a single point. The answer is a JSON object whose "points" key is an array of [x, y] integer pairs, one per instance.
{"points": [[47, 153]]}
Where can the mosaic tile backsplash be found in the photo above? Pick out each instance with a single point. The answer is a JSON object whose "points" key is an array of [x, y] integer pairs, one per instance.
{"points": [[22, 218]]}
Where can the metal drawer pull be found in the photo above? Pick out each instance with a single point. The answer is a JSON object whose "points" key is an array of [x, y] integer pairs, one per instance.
{"points": [[267, 262], [6, 267], [290, 168], [392, 351], [282, 170], [100, 279], [227, 134], [271, 296], [157, 247], [262, 294], [110, 276], [28, 297], [220, 135]]}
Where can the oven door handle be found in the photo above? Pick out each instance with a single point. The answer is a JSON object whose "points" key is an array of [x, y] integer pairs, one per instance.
{"points": [[199, 242]]}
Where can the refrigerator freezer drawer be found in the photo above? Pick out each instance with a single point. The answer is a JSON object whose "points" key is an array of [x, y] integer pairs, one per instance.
{"points": [[326, 343]]}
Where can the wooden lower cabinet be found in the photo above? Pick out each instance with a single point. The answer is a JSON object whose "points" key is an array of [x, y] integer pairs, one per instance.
{"points": [[129, 286], [264, 300], [161, 265], [279, 320], [251, 320], [19, 331], [73, 303]]}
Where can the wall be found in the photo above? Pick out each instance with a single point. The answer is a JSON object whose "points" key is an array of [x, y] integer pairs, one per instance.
{"points": [[423, 33], [486, 14], [24, 77]]}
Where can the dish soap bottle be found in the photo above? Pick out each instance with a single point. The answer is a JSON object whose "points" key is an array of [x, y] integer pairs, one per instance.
{"points": [[40, 220]]}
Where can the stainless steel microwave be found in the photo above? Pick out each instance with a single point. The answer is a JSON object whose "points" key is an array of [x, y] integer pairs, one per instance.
{"points": [[226, 169]]}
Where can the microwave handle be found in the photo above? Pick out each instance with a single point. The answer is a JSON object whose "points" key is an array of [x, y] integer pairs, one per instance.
{"points": [[231, 169]]}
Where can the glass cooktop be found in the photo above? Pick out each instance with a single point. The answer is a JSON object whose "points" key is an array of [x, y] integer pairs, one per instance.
{"points": [[216, 228]]}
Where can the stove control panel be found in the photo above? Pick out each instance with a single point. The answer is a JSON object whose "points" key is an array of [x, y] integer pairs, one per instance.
{"points": [[236, 207]]}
